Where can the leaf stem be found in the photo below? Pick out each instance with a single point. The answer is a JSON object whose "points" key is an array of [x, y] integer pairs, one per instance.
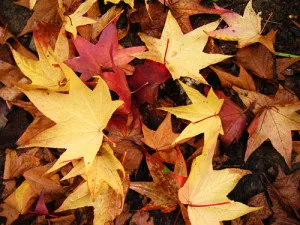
{"points": [[287, 55]]}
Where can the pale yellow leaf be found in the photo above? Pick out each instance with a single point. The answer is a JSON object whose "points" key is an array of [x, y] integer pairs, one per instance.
{"points": [[80, 117]]}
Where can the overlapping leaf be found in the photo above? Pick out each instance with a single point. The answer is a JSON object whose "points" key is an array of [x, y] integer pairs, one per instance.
{"points": [[174, 47], [245, 29], [80, 118], [206, 190], [275, 118], [203, 114]]}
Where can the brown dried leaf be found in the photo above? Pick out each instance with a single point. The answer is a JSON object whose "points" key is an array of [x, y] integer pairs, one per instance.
{"points": [[258, 59], [163, 191], [39, 124], [162, 138], [45, 11], [244, 80], [152, 26], [182, 10], [16, 165], [49, 184]]}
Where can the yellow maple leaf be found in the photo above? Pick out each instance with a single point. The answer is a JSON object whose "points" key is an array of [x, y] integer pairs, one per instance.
{"points": [[206, 190], [107, 204], [203, 114], [181, 53], [276, 117], [80, 118], [129, 2], [77, 19], [104, 168], [43, 73], [245, 29]]}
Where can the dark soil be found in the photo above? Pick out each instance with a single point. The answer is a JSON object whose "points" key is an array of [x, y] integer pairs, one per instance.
{"points": [[261, 163]]}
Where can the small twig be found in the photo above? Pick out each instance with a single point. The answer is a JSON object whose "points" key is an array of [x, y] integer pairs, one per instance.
{"points": [[267, 21]]}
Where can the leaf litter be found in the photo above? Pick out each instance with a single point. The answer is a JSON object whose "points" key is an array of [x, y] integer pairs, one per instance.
{"points": [[83, 151]]}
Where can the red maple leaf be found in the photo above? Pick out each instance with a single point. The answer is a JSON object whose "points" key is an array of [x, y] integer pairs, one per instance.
{"points": [[107, 60], [146, 79]]}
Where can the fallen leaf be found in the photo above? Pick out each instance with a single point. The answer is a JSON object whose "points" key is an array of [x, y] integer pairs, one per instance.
{"points": [[162, 191], [94, 59], [182, 10], [39, 124], [77, 19], [245, 29], [206, 190], [146, 80], [130, 154], [107, 204], [125, 132], [44, 10], [233, 120], [244, 80], [275, 118], [10, 212], [9, 74], [125, 127], [21, 199], [287, 186], [112, 14], [173, 48], [151, 25], [203, 114], [284, 196], [86, 111], [49, 184], [43, 73], [41, 208], [93, 13], [105, 168], [161, 139], [16, 165], [107, 60], [262, 64]]}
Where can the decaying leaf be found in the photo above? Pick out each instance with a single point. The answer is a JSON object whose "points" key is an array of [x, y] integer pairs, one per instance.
{"points": [[153, 24], [107, 203], [206, 190], [174, 47], [203, 114], [162, 191], [275, 118]]}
